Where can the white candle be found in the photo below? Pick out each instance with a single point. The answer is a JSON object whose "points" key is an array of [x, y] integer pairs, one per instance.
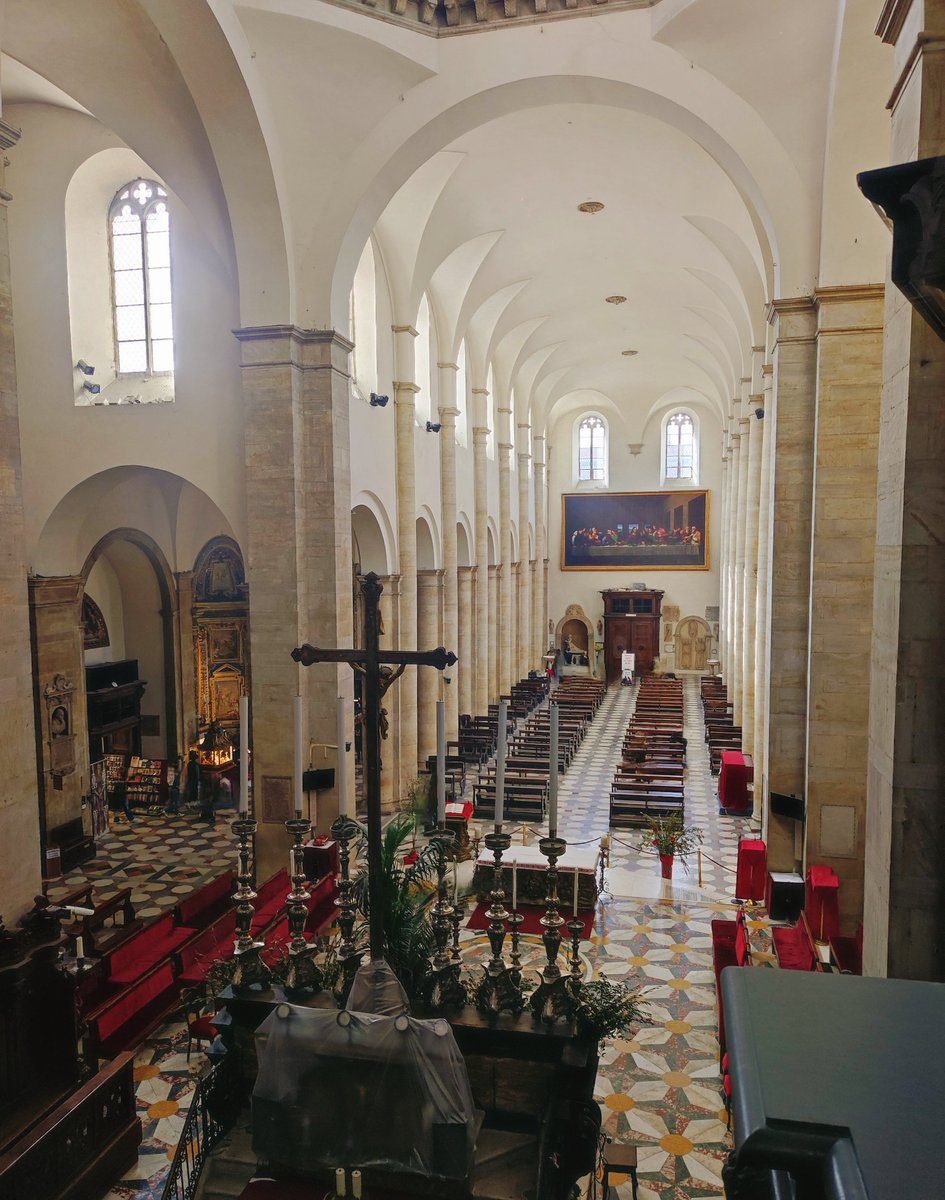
{"points": [[342, 780], [441, 763], [575, 890], [297, 704], [79, 947], [501, 751], [356, 1184], [244, 754], [455, 882], [553, 772], [514, 886], [341, 1184]]}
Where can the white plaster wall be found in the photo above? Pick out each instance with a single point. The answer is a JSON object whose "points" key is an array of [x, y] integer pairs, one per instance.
{"points": [[692, 591], [104, 588]]}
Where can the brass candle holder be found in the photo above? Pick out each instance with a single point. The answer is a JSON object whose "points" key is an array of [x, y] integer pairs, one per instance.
{"points": [[498, 991], [250, 970], [456, 921], [446, 990], [576, 929], [303, 975], [344, 831], [554, 998]]}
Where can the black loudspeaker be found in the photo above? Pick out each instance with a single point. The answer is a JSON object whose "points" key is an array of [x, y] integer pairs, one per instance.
{"points": [[318, 781], [785, 896]]}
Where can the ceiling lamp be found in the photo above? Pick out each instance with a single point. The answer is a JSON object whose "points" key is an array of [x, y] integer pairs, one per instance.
{"points": [[629, 353], [615, 299], [590, 206]]}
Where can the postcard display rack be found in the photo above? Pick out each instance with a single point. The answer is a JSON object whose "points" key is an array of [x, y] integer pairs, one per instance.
{"points": [[147, 782]]}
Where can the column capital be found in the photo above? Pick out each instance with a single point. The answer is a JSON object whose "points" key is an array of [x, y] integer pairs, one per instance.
{"points": [[410, 388], [448, 414], [290, 346], [794, 319], [405, 329], [448, 366], [479, 391], [480, 433], [55, 589]]}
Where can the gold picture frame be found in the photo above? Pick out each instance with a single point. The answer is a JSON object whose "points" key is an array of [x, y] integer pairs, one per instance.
{"points": [[635, 531]]}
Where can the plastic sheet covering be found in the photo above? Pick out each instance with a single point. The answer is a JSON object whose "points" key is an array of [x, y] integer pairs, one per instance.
{"points": [[376, 989], [359, 1090]]}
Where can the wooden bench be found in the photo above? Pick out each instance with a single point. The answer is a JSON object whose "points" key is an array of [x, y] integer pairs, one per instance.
{"points": [[123, 1021]]}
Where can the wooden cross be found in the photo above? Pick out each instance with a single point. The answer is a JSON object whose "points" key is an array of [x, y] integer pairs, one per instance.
{"points": [[370, 660]]}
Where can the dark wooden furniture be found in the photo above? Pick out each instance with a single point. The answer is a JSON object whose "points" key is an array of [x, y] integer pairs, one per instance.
{"points": [[631, 623], [619, 1159], [113, 695], [74, 844]]}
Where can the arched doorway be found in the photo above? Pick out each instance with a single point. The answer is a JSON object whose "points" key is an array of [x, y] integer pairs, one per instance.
{"points": [[693, 644], [576, 625]]}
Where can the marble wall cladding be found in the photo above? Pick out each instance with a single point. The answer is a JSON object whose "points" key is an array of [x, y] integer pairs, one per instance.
{"points": [[794, 392], [849, 381]]}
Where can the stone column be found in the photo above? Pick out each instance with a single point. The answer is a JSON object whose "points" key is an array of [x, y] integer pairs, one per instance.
{"points": [[540, 590], [723, 558], [19, 818], [849, 384], [448, 412], [506, 618], [792, 428], [524, 655], [187, 708], [467, 627], [56, 633], [904, 912], [738, 583], [393, 778], [298, 516], [405, 400], [730, 556], [429, 634], [755, 436], [762, 614], [485, 634], [493, 601]]}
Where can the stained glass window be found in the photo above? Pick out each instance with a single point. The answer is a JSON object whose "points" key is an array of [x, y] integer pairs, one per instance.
{"points": [[680, 447], [140, 229], [592, 449]]}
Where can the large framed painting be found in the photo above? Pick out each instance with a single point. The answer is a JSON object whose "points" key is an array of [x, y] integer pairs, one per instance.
{"points": [[626, 531]]}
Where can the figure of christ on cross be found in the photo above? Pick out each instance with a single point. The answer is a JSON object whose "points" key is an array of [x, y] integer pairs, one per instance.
{"points": [[375, 665]]}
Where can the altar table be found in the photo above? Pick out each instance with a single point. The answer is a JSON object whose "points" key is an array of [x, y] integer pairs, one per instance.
{"points": [[734, 778], [531, 865]]}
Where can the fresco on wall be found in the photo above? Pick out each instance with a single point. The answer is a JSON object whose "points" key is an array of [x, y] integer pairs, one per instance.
{"points": [[607, 531]]}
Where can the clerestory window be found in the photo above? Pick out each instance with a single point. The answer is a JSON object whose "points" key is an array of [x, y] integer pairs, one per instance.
{"points": [[679, 448], [592, 449], [140, 246]]}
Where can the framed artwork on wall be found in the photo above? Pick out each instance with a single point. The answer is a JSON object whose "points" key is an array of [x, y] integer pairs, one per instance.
{"points": [[625, 531]]}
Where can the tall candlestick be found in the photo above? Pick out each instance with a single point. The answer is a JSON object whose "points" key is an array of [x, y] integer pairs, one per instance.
{"points": [[500, 754], [441, 764], [575, 890], [79, 947], [342, 761], [244, 754], [356, 1185], [553, 772], [297, 703]]}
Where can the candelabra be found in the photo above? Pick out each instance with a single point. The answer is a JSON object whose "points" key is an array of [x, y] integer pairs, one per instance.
{"points": [[456, 921], [446, 990], [302, 974], [499, 991], [554, 996], [250, 969], [344, 830], [576, 929]]}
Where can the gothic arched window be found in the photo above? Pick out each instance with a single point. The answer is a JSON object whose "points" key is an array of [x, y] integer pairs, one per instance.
{"points": [[680, 450], [592, 449], [140, 244]]}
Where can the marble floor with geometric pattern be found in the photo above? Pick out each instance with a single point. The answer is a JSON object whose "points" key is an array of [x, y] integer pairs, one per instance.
{"points": [[659, 1089]]}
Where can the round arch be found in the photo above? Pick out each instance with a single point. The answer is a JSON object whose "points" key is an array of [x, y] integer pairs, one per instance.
{"points": [[427, 541], [464, 542], [372, 537]]}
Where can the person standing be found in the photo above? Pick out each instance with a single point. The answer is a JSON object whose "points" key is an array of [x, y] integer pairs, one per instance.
{"points": [[193, 780]]}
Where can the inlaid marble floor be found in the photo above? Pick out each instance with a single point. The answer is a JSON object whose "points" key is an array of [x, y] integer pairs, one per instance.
{"points": [[658, 1089]]}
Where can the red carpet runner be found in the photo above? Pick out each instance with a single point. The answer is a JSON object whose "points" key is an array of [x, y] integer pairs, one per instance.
{"points": [[531, 924]]}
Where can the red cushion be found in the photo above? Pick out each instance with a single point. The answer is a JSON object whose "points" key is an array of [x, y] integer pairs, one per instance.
{"points": [[193, 909], [133, 966], [793, 949], [118, 1012]]}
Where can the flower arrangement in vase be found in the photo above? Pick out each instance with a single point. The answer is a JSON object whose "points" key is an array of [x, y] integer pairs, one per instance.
{"points": [[671, 839]]}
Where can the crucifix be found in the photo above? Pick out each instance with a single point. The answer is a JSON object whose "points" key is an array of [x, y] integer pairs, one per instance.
{"points": [[378, 669]]}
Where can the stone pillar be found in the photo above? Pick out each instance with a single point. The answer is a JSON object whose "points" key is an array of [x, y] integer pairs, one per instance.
{"points": [[849, 383], [904, 912], [540, 589], [298, 516], [493, 602], [485, 634], [19, 816], [56, 634], [467, 628], [429, 634], [405, 400], [392, 778], [506, 587], [523, 654], [792, 428], [738, 583], [762, 613], [723, 558], [755, 438], [448, 412], [187, 708], [730, 555]]}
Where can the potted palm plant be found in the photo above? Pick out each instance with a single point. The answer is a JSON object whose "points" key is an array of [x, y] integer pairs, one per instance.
{"points": [[670, 838]]}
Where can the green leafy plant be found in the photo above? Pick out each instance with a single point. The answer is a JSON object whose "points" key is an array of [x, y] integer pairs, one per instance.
{"points": [[607, 1009], [668, 835]]}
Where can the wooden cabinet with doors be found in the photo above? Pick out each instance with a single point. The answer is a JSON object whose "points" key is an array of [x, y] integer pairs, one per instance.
{"points": [[632, 623]]}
